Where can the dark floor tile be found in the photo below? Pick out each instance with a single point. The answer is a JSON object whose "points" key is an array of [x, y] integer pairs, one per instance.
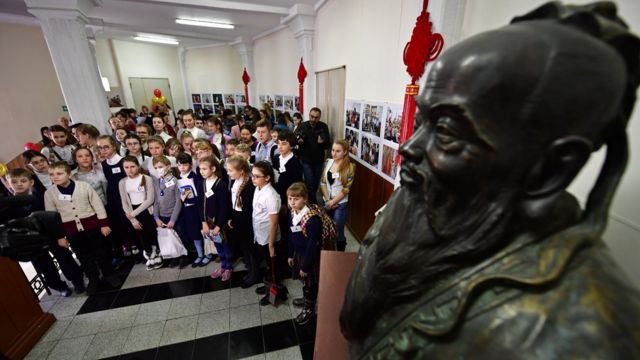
{"points": [[306, 350], [110, 358], [182, 351], [140, 355], [131, 296], [245, 343], [210, 284], [174, 289], [211, 347], [307, 332], [98, 302], [279, 335]]}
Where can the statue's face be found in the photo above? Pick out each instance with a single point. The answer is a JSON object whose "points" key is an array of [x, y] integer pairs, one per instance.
{"points": [[468, 147]]}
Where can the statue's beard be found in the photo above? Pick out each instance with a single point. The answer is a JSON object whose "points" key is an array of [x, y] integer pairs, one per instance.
{"points": [[419, 239]]}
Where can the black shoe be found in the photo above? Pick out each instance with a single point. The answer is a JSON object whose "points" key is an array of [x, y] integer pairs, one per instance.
{"points": [[92, 287], [299, 302], [174, 262], [304, 316], [248, 283], [265, 300], [183, 262], [79, 287], [341, 245], [261, 290]]}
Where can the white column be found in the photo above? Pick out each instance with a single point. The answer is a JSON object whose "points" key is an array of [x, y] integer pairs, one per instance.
{"points": [[244, 47], [182, 56], [73, 59], [300, 21]]}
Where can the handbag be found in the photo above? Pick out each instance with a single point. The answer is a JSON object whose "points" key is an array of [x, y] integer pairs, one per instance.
{"points": [[170, 244]]}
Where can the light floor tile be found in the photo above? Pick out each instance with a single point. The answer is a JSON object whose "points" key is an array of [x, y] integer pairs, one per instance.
{"points": [[292, 353], [184, 306], [138, 279], [240, 296], [66, 307], [70, 349], [82, 325], [144, 337], [107, 344], [41, 351], [118, 318], [215, 300], [153, 312], [213, 323], [56, 331], [243, 317], [271, 314], [179, 330], [190, 273]]}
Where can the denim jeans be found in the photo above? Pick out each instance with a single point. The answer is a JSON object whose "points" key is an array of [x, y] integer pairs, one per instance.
{"points": [[339, 216], [312, 174], [225, 253]]}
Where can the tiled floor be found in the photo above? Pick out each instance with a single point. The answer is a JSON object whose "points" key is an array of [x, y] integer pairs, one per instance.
{"points": [[176, 314]]}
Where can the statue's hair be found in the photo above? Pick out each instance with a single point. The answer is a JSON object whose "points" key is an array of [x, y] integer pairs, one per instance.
{"points": [[600, 20]]}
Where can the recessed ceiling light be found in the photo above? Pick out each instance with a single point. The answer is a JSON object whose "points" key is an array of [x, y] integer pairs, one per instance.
{"points": [[205, 23], [158, 40]]}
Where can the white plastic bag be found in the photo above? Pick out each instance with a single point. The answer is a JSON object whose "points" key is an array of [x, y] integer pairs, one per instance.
{"points": [[170, 244]]}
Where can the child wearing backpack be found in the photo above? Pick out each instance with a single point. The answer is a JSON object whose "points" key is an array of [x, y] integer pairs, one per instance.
{"points": [[311, 231]]}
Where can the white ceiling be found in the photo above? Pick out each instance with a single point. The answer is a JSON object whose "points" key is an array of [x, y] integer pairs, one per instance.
{"points": [[123, 19]]}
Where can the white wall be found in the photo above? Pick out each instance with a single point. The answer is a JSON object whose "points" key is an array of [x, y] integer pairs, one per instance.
{"points": [[276, 60], [106, 61], [623, 233], [30, 96], [214, 69], [137, 59]]}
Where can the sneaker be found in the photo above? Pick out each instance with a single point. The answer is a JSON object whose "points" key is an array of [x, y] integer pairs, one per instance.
{"points": [[157, 263], [261, 290], [265, 300], [216, 274], [299, 302], [134, 250], [197, 262], [248, 283], [226, 275], [65, 291], [150, 266], [304, 316]]}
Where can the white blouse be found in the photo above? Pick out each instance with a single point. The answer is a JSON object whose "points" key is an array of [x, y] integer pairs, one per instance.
{"points": [[266, 201]]}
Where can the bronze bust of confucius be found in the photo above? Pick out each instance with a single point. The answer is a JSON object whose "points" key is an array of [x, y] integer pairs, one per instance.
{"points": [[482, 253]]}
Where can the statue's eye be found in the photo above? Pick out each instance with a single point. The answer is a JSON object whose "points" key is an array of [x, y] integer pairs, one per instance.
{"points": [[445, 133]]}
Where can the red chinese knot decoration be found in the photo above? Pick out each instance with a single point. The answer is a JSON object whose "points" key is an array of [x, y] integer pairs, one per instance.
{"points": [[246, 79], [424, 46], [302, 74]]}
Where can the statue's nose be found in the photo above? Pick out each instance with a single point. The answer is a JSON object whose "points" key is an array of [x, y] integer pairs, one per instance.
{"points": [[415, 148]]}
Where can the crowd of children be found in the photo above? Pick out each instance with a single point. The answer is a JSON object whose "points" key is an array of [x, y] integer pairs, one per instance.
{"points": [[227, 194]]}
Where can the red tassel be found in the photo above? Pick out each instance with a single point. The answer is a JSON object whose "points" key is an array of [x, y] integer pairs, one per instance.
{"points": [[246, 79], [302, 75]]}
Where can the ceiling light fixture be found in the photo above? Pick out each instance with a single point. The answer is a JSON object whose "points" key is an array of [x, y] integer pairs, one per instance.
{"points": [[205, 23], [158, 40]]}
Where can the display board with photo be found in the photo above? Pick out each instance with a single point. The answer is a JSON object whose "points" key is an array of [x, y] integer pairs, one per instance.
{"points": [[206, 98], [372, 118], [196, 98], [217, 99], [241, 99], [296, 103], [229, 99], [370, 150], [353, 138], [392, 123], [279, 103], [353, 114], [389, 161], [288, 103]]}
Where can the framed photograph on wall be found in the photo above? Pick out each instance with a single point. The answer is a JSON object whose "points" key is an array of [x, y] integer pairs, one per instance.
{"points": [[196, 99], [262, 99], [353, 113], [296, 103], [115, 97], [353, 138], [217, 99], [206, 98], [392, 123], [279, 102], [372, 118], [229, 99], [288, 103], [240, 99], [389, 163], [370, 150]]}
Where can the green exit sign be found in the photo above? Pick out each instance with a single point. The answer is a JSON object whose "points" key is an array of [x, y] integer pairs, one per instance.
{"points": [[64, 108]]}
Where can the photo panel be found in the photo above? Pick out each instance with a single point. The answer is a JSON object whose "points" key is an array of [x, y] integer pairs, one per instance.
{"points": [[393, 123], [229, 99], [197, 108], [217, 109], [262, 99], [240, 99], [196, 98], [296, 103], [389, 161], [206, 98], [370, 150], [270, 100], [288, 103], [279, 103], [353, 113], [217, 99], [372, 118], [353, 138]]}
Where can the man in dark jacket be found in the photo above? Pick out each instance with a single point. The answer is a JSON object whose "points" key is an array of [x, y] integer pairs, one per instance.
{"points": [[313, 141]]}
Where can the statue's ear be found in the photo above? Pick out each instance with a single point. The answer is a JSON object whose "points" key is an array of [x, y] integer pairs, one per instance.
{"points": [[560, 164]]}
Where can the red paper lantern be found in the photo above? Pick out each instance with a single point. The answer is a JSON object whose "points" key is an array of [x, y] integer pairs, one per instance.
{"points": [[302, 75], [246, 79]]}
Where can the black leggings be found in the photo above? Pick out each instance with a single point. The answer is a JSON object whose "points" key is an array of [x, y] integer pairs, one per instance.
{"points": [[149, 234]]}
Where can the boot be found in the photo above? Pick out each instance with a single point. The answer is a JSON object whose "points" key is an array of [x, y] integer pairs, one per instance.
{"points": [[341, 245], [307, 313]]}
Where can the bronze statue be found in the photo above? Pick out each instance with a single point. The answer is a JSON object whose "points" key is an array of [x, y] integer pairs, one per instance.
{"points": [[482, 253]]}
